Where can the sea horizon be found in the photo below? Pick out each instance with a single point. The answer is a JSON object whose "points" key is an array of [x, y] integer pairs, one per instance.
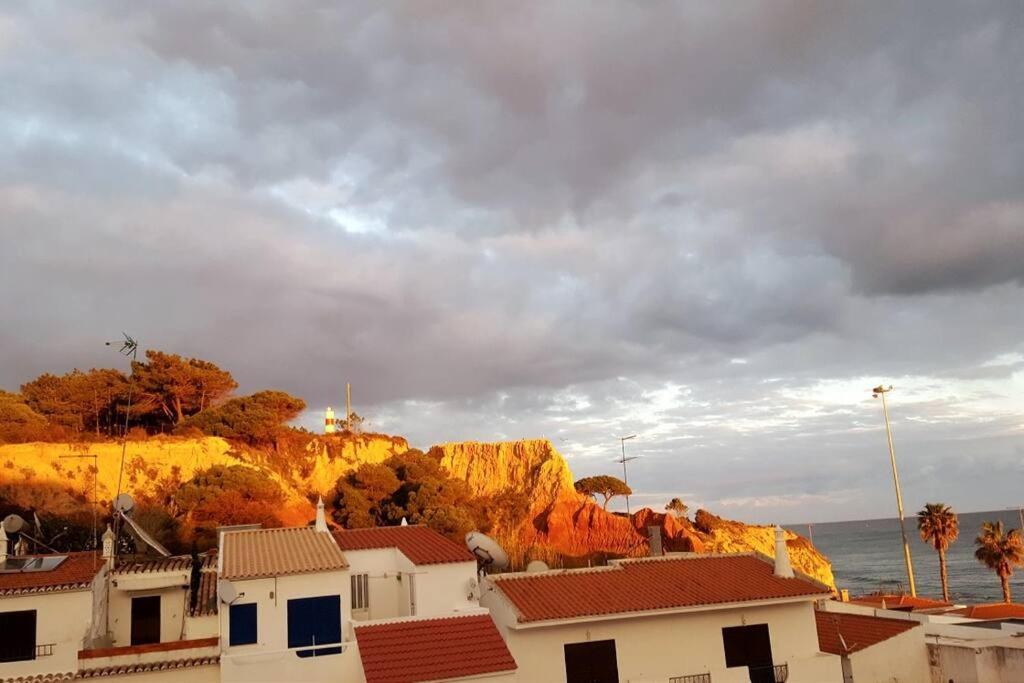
{"points": [[867, 556]]}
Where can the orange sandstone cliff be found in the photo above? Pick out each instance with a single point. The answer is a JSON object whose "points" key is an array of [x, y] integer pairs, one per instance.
{"points": [[560, 526], [564, 522]]}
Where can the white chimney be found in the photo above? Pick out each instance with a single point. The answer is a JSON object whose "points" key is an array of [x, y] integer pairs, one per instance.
{"points": [[3, 544], [782, 566], [108, 547], [321, 518]]}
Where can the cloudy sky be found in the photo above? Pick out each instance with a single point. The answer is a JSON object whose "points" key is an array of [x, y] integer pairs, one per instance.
{"points": [[713, 229]]}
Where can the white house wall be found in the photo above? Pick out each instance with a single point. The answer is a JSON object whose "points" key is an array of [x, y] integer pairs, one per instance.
{"points": [[656, 648], [900, 659], [173, 610], [269, 659], [63, 619]]}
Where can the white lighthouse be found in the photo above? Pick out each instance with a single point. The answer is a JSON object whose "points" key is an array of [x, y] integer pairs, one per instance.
{"points": [[329, 420]]}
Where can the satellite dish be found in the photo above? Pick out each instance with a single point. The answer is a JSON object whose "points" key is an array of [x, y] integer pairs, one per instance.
{"points": [[489, 555], [124, 504], [14, 524], [226, 591], [537, 566]]}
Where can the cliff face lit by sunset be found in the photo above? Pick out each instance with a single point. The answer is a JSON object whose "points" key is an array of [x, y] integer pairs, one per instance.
{"points": [[560, 524]]}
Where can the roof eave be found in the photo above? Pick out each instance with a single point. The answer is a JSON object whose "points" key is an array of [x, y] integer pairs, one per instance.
{"points": [[522, 625]]}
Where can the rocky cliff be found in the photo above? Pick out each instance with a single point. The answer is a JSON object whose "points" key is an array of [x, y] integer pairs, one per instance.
{"points": [[562, 522], [560, 525]]}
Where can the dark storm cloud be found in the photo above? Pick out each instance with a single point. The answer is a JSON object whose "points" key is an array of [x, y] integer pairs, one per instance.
{"points": [[529, 221]]}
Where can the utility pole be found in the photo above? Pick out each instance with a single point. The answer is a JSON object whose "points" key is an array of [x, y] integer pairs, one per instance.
{"points": [[624, 460], [95, 489], [877, 392]]}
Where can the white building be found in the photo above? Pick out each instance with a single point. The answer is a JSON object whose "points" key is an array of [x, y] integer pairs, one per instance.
{"points": [[683, 618], [47, 608]]}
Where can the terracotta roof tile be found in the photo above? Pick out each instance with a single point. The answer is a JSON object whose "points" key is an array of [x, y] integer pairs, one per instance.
{"points": [[206, 602], [257, 553], [992, 610], [655, 584], [76, 572], [432, 649], [144, 667], [900, 602], [859, 631], [422, 545], [175, 563], [41, 678]]}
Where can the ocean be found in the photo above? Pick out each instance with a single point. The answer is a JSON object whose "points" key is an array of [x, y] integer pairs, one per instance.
{"points": [[867, 556]]}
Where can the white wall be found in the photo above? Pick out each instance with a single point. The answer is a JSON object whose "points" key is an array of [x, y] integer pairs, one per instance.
{"points": [[900, 659], [655, 648], [270, 659], [63, 619], [440, 589], [173, 611]]}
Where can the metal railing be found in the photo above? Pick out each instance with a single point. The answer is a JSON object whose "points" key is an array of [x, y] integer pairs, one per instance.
{"points": [[778, 673], [692, 678], [45, 650]]}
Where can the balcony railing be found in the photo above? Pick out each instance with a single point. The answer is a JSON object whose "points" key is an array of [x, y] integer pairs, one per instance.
{"points": [[44, 650], [778, 673], [692, 678]]}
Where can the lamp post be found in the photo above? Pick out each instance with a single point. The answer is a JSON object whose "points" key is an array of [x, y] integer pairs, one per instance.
{"points": [[877, 392], [624, 460]]}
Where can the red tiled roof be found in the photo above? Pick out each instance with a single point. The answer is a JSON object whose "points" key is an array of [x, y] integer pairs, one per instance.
{"points": [[41, 678], [992, 610], [74, 573], [654, 584], [258, 553], [144, 667], [206, 601], [858, 631], [432, 649], [422, 545], [900, 602]]}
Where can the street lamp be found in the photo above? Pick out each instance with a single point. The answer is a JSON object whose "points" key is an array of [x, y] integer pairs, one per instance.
{"points": [[877, 392], [624, 460]]}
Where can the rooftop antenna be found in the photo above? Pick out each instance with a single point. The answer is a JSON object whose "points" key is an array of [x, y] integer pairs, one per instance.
{"points": [[624, 460], [128, 347]]}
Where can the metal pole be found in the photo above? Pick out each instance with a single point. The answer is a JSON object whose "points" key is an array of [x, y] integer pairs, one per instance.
{"points": [[899, 496], [625, 481]]}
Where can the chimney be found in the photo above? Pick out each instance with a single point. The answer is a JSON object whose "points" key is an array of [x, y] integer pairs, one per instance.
{"points": [[321, 518], [3, 544], [654, 537], [108, 547], [782, 566]]}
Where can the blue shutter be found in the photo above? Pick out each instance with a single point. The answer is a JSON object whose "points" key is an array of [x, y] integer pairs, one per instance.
{"points": [[315, 622], [242, 624]]}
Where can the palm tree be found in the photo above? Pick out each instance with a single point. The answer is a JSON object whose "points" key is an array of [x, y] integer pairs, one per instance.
{"points": [[938, 525], [1000, 552]]}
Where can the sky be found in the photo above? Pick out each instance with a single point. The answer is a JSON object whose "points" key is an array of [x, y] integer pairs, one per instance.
{"points": [[712, 225]]}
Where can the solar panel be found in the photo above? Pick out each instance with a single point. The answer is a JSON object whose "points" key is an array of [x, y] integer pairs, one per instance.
{"points": [[19, 565]]}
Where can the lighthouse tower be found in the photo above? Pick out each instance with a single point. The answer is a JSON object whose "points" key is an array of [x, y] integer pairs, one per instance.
{"points": [[329, 420]]}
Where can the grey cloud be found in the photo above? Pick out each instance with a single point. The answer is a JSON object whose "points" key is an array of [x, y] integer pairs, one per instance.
{"points": [[483, 216]]}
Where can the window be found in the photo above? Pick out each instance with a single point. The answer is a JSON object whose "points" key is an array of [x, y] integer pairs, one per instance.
{"points": [[592, 662], [18, 643], [360, 591], [242, 624], [146, 620], [313, 622]]}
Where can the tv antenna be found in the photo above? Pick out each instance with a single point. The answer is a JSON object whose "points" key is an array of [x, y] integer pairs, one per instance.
{"points": [[624, 460], [128, 347]]}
